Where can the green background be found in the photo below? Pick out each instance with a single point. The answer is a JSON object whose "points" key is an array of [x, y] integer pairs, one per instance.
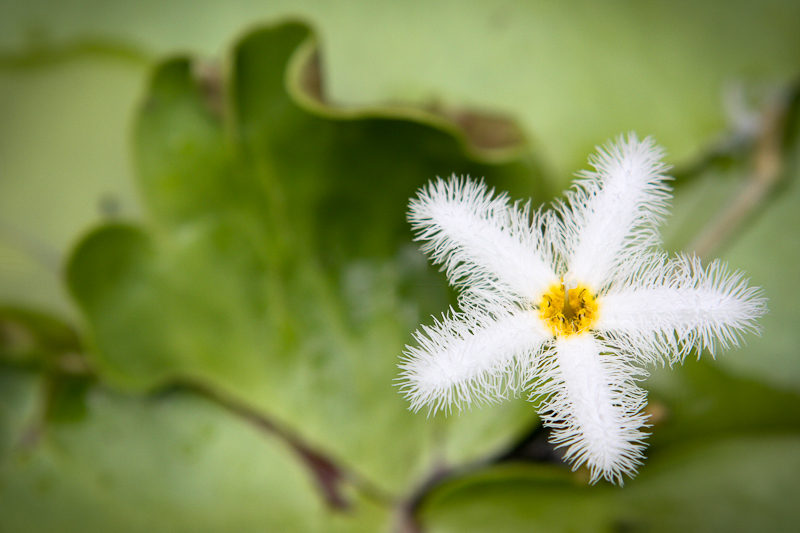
{"points": [[206, 277]]}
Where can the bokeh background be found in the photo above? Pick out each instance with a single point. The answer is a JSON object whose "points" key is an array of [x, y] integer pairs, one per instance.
{"points": [[206, 277]]}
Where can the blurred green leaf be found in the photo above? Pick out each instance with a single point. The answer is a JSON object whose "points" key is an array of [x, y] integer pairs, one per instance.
{"points": [[738, 484], [170, 463], [722, 456], [64, 166], [278, 267], [700, 399], [574, 74], [516, 498]]}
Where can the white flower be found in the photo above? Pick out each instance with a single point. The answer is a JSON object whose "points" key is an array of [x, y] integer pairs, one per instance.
{"points": [[628, 305]]}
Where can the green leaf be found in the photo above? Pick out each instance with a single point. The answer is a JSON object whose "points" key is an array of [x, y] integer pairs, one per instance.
{"points": [[739, 484], [277, 266], [64, 165], [721, 447], [575, 74], [701, 400], [511, 498], [170, 463]]}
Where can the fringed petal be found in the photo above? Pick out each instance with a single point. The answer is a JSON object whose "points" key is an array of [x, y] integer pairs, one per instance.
{"points": [[495, 251], [470, 358], [613, 212], [679, 306], [591, 400]]}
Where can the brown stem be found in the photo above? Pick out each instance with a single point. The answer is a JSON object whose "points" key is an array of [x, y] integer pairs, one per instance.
{"points": [[329, 474], [767, 170]]}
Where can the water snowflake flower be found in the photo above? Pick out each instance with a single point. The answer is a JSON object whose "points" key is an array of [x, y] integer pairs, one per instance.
{"points": [[571, 304]]}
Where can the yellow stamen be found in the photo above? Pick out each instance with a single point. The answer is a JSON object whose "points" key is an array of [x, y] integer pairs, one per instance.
{"points": [[573, 314], [568, 284]]}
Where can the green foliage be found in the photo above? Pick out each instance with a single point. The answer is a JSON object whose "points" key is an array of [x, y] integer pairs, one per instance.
{"points": [[714, 485], [170, 463], [224, 357]]}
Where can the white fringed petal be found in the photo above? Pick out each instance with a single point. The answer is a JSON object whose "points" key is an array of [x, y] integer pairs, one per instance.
{"points": [[592, 402], [612, 213], [467, 358], [488, 247], [682, 307]]}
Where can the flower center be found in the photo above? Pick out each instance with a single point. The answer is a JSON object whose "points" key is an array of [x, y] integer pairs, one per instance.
{"points": [[573, 314]]}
